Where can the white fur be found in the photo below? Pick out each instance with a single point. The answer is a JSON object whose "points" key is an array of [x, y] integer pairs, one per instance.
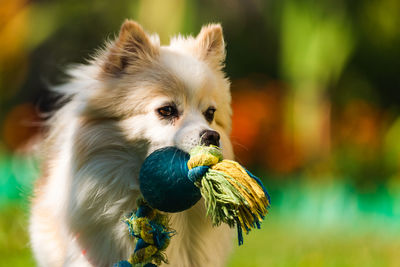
{"points": [[91, 163]]}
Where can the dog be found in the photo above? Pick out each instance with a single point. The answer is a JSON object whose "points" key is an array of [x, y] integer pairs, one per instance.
{"points": [[133, 97]]}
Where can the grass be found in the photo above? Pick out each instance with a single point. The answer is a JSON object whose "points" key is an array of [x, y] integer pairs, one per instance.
{"points": [[280, 242], [14, 244], [310, 224], [287, 244]]}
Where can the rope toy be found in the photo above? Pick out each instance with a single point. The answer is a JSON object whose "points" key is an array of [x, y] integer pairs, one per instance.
{"points": [[152, 232], [172, 180]]}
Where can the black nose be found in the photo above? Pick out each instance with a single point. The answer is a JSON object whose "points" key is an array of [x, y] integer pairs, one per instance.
{"points": [[209, 137]]}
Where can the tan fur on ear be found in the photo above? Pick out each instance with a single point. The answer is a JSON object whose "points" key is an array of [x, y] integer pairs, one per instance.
{"points": [[211, 43], [132, 44]]}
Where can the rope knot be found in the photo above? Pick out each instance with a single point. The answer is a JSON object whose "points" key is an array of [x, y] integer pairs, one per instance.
{"points": [[201, 159], [204, 156], [152, 233]]}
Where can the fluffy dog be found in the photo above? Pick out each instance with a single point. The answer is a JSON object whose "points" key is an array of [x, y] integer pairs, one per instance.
{"points": [[134, 97]]}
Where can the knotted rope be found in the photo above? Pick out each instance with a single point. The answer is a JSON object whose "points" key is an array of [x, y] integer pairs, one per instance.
{"points": [[152, 233]]}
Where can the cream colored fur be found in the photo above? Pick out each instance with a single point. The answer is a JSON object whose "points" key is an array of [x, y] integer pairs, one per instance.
{"points": [[97, 142]]}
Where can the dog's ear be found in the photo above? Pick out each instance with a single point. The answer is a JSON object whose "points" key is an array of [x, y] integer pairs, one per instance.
{"points": [[211, 44], [132, 45]]}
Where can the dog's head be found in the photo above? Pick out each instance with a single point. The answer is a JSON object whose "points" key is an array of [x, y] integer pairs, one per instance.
{"points": [[174, 95]]}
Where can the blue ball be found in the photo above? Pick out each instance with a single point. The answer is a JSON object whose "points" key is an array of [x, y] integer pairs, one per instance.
{"points": [[164, 181]]}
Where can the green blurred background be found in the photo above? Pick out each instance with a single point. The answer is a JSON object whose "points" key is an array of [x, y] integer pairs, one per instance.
{"points": [[316, 99]]}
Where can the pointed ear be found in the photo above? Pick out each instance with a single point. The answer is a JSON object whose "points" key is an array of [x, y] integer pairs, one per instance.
{"points": [[132, 45], [211, 44]]}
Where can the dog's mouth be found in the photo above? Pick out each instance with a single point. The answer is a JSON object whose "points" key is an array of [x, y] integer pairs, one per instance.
{"points": [[206, 137]]}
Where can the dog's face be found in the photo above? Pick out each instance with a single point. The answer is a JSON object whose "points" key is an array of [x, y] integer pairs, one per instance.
{"points": [[174, 95]]}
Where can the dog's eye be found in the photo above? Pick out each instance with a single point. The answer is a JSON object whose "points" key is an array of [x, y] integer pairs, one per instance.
{"points": [[168, 111], [209, 114]]}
